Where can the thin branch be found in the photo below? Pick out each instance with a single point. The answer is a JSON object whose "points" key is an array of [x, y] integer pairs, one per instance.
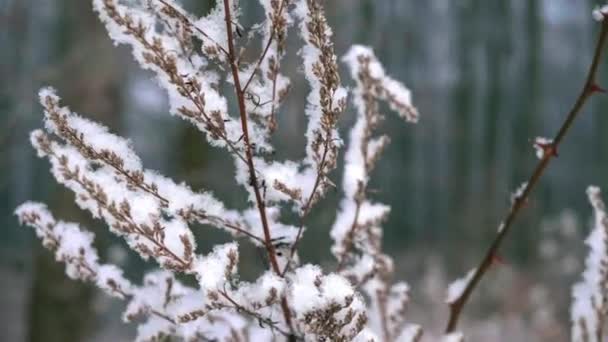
{"points": [[350, 236], [307, 205], [187, 20], [589, 89], [175, 77], [264, 320], [249, 155], [266, 48], [228, 225], [248, 150]]}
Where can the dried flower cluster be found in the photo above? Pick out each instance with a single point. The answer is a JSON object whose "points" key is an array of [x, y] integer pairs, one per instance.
{"points": [[192, 58]]}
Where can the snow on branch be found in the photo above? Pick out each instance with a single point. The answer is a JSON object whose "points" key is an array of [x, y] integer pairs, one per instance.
{"points": [[101, 148], [457, 287], [167, 306], [327, 98], [193, 58], [453, 337], [73, 246], [129, 214], [190, 83], [600, 13], [590, 296], [357, 230], [326, 306], [265, 87]]}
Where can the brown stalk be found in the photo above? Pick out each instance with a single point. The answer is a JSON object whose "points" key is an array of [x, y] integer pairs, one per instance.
{"points": [[249, 156], [550, 151]]}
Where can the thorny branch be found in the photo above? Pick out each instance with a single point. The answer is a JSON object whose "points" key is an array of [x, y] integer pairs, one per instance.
{"points": [[550, 151]]}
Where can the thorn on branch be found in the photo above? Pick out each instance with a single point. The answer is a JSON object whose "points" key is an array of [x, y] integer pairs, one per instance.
{"points": [[545, 148], [596, 88], [498, 260]]}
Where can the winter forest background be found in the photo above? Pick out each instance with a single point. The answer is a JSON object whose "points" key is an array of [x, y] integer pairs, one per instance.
{"points": [[486, 76]]}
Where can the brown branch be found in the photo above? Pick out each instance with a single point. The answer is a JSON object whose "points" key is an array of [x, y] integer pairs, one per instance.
{"points": [[589, 89], [248, 150], [249, 155]]}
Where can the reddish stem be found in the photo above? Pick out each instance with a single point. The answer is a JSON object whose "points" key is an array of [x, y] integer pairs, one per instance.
{"points": [[249, 156], [589, 89]]}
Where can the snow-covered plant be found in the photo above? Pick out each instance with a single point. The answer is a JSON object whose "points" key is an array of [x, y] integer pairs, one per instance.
{"points": [[191, 58], [590, 296]]}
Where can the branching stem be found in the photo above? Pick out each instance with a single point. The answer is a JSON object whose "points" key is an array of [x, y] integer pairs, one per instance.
{"points": [[249, 156]]}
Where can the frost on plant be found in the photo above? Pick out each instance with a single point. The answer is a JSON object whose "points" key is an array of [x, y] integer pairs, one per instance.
{"points": [[590, 296], [457, 287], [195, 59], [191, 57]]}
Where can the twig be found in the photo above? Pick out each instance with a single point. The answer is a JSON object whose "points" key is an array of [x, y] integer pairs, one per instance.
{"points": [[263, 55], [254, 314], [152, 311], [589, 89], [249, 155], [186, 19], [307, 205], [226, 224]]}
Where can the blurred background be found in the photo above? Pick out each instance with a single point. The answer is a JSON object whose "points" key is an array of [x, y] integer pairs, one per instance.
{"points": [[487, 77]]}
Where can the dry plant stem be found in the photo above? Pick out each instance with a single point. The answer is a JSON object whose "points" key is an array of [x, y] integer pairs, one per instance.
{"points": [[82, 263], [248, 152], [124, 218], [195, 100], [77, 141], [264, 53], [249, 155], [550, 151]]}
